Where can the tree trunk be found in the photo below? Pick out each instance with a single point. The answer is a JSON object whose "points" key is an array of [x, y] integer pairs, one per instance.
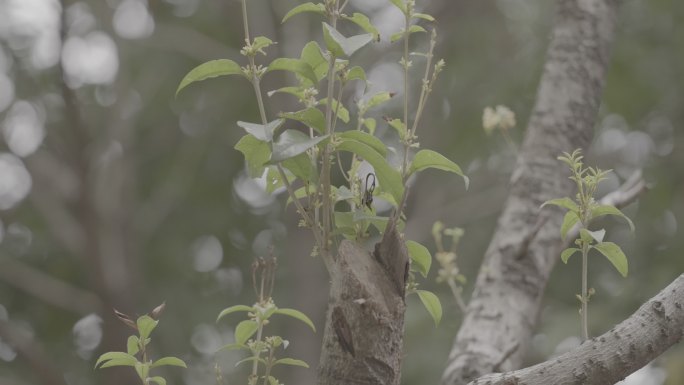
{"points": [[363, 337], [501, 316]]}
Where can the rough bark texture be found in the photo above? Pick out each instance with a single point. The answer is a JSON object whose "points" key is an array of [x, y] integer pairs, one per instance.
{"points": [[501, 315], [363, 338], [657, 325]]}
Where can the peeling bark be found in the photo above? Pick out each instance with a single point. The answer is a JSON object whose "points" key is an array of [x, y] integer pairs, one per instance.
{"points": [[363, 338], [499, 322], [609, 358]]}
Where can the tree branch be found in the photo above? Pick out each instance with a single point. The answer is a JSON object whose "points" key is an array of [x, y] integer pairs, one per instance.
{"points": [[505, 302], [607, 359]]}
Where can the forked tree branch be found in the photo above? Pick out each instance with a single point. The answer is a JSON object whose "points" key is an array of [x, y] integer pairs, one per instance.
{"points": [[607, 359]]}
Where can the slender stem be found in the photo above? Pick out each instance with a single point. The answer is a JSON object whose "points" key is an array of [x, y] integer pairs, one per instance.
{"points": [[244, 19], [456, 291], [585, 293]]}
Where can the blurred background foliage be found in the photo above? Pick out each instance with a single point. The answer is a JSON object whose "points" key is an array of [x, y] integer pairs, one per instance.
{"points": [[113, 193]]}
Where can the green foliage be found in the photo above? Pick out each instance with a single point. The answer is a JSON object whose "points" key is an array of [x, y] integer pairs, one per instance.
{"points": [[136, 349], [303, 161], [581, 212], [249, 333]]}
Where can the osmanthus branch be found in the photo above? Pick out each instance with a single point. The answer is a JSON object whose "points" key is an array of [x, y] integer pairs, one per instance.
{"points": [[607, 359]]}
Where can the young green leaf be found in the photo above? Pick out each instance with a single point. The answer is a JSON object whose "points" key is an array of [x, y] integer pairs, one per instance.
{"points": [[566, 203], [569, 221], [432, 304], [261, 42], [399, 4], [234, 347], [615, 255], [291, 361], [306, 7], [169, 361], [159, 380], [233, 309], [115, 359], [389, 178], [379, 98], [567, 253], [431, 159], [244, 330], [256, 153], [210, 69], [399, 126], [296, 314], [250, 359], [312, 117], [356, 73], [296, 66], [311, 54], [420, 256], [362, 21], [370, 140], [342, 112], [601, 210], [342, 46], [132, 345], [260, 131], [301, 167], [412, 29], [292, 143], [295, 91], [597, 235], [370, 124], [143, 369], [145, 326], [423, 16]]}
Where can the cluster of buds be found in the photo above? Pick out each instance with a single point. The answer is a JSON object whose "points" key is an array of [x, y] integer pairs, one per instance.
{"points": [[500, 117]]}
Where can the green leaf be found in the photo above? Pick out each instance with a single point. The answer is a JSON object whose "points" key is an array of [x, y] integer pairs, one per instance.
{"points": [[261, 42], [145, 326], [132, 345], [169, 361], [260, 131], [356, 73], [362, 21], [143, 369], [420, 256], [601, 210], [399, 126], [301, 167], [115, 359], [234, 347], [379, 98], [306, 7], [412, 29], [342, 112], [251, 359], [296, 91], [431, 159], [423, 16], [291, 361], [312, 117], [370, 124], [567, 253], [245, 330], [233, 309], [159, 380], [296, 66], [399, 4], [210, 69], [343, 46], [311, 54], [297, 315], [615, 255], [256, 153], [292, 143], [432, 304], [389, 178], [566, 203], [569, 221], [597, 235], [368, 139], [585, 236]]}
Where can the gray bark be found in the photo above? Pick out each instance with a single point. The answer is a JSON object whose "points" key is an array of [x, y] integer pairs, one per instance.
{"points": [[607, 359], [502, 313], [364, 328]]}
